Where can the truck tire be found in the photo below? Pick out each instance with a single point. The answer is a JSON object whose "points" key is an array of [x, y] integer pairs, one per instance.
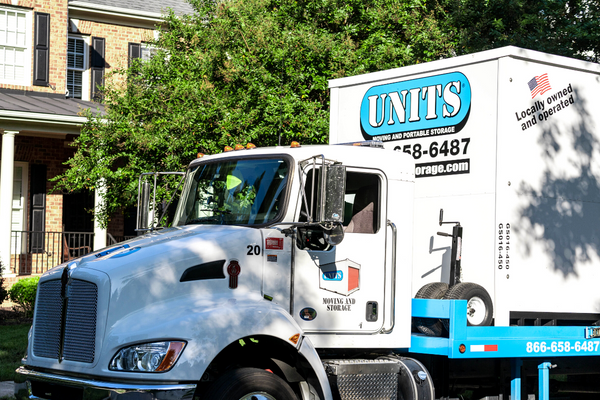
{"points": [[250, 384], [430, 326], [480, 310]]}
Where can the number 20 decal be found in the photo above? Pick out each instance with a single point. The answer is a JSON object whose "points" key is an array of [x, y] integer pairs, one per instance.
{"points": [[253, 250]]}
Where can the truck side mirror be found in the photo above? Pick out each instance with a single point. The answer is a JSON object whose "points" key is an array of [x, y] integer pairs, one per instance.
{"points": [[334, 236], [331, 207]]}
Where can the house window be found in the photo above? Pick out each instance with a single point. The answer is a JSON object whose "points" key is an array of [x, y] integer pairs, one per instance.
{"points": [[148, 52], [76, 67], [14, 46]]}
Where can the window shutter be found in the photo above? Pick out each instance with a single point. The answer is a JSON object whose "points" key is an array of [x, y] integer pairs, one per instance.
{"points": [[135, 51], [41, 50], [38, 207], [97, 67]]}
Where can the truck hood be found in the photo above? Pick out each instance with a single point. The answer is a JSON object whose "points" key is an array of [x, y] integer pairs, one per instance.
{"points": [[201, 243], [148, 270]]}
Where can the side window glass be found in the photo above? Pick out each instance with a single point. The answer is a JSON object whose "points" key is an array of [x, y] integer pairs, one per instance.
{"points": [[361, 211]]}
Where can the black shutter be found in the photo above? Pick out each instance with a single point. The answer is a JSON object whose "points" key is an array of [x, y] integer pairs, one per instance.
{"points": [[135, 51], [41, 50], [38, 207], [97, 67]]}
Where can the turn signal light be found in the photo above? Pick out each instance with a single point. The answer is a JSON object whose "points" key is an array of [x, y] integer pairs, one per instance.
{"points": [[294, 339], [294, 145]]}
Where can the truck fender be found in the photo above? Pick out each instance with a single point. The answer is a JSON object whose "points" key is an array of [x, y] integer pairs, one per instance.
{"points": [[256, 318], [308, 351], [215, 325]]}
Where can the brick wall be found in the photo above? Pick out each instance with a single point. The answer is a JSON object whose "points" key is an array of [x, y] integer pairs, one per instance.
{"points": [[117, 39], [51, 152]]}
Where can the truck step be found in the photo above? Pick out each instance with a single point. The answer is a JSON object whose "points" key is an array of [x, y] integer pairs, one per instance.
{"points": [[380, 379]]}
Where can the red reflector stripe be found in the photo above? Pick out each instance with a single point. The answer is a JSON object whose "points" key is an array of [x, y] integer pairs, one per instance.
{"points": [[483, 347]]}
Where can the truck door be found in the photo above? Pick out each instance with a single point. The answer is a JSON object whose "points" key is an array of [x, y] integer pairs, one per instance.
{"points": [[342, 288]]}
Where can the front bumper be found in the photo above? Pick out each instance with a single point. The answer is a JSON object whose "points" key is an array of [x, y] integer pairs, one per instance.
{"points": [[45, 386]]}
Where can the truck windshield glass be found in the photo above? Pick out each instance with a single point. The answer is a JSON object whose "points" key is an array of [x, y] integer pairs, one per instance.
{"points": [[239, 192]]}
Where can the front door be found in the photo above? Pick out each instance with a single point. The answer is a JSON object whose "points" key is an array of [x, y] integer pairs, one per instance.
{"points": [[342, 288]]}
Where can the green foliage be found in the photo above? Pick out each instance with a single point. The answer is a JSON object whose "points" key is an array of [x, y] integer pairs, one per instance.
{"points": [[564, 27], [23, 293], [241, 71], [3, 291]]}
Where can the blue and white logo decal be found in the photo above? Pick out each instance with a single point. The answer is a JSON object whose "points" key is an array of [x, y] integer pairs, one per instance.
{"points": [[333, 275], [431, 106]]}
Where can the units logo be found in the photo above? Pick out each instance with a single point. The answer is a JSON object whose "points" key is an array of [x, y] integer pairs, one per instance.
{"points": [[342, 277], [430, 106], [333, 275]]}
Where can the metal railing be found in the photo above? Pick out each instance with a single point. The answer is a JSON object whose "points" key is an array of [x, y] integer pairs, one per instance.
{"points": [[112, 240], [36, 252]]}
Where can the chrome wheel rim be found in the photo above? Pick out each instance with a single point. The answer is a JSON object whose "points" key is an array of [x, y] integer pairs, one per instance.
{"points": [[476, 311]]}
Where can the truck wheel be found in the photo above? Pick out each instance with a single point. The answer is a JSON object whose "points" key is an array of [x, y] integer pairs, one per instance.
{"points": [[480, 310], [250, 384], [430, 326]]}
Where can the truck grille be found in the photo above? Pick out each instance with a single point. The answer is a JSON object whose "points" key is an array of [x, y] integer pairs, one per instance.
{"points": [[79, 322]]}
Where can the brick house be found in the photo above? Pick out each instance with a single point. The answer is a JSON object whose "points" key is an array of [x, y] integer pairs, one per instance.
{"points": [[52, 55]]}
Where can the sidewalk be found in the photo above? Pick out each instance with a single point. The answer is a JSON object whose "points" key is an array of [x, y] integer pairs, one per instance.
{"points": [[7, 388]]}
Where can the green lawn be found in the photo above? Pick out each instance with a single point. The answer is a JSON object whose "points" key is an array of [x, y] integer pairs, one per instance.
{"points": [[13, 346]]}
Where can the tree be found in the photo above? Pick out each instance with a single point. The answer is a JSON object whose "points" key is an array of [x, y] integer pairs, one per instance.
{"points": [[563, 27], [241, 71]]}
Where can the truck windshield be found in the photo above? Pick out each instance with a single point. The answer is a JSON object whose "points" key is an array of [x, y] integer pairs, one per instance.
{"points": [[233, 192]]}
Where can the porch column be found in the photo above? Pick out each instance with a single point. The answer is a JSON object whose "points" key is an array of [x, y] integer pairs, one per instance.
{"points": [[99, 232], [6, 193]]}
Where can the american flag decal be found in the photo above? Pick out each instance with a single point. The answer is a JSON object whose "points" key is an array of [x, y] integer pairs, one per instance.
{"points": [[539, 85]]}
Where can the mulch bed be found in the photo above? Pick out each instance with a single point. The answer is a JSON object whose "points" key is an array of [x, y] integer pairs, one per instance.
{"points": [[8, 316]]}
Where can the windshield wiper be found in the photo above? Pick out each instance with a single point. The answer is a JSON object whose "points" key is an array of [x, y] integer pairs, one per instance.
{"points": [[201, 220]]}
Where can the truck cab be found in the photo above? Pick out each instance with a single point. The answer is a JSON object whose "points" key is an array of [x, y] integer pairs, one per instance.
{"points": [[275, 257]]}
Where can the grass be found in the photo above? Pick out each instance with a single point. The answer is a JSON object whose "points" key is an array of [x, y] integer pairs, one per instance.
{"points": [[13, 347]]}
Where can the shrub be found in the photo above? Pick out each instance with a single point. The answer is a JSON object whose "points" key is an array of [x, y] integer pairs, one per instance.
{"points": [[23, 293], [3, 291]]}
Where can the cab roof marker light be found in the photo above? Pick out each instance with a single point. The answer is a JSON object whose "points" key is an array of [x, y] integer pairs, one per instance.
{"points": [[199, 155], [228, 148], [250, 146], [239, 147], [294, 145]]}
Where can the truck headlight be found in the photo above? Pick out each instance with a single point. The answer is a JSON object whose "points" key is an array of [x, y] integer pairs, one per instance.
{"points": [[147, 357]]}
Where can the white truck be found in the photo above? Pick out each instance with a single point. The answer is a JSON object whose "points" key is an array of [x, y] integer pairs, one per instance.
{"points": [[328, 272]]}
